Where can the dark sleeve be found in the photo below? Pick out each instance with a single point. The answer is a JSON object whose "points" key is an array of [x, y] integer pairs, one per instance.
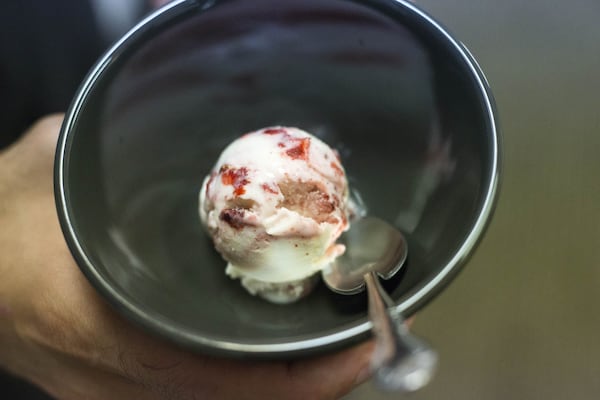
{"points": [[46, 48]]}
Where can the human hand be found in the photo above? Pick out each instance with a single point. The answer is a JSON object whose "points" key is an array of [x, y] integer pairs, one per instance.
{"points": [[56, 332]]}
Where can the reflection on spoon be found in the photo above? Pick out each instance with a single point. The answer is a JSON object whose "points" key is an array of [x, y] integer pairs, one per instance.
{"points": [[401, 361]]}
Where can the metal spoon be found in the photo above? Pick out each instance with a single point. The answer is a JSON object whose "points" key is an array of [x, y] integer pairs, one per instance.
{"points": [[401, 361]]}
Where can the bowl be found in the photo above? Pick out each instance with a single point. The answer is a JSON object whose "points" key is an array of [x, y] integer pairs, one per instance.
{"points": [[402, 101]]}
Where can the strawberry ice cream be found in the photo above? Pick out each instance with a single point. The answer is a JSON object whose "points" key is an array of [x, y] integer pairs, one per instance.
{"points": [[274, 204]]}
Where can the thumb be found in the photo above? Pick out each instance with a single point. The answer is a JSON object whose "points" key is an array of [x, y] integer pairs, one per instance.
{"points": [[335, 374]]}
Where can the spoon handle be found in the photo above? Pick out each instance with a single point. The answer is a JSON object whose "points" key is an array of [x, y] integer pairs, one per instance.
{"points": [[401, 361]]}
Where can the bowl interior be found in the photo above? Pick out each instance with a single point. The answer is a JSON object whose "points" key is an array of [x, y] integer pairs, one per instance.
{"points": [[376, 80]]}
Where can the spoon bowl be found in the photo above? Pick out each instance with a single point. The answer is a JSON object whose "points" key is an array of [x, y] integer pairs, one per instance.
{"points": [[371, 245], [401, 361]]}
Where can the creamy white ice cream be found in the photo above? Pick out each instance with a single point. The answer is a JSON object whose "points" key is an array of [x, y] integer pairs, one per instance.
{"points": [[275, 203]]}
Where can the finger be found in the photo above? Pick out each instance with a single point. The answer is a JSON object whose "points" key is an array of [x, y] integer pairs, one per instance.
{"points": [[335, 375], [65, 378], [318, 378], [322, 378], [339, 373]]}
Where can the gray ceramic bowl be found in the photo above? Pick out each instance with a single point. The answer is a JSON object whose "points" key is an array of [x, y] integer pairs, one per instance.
{"points": [[379, 80]]}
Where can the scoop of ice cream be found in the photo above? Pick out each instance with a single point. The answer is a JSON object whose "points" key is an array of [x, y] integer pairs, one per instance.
{"points": [[275, 203]]}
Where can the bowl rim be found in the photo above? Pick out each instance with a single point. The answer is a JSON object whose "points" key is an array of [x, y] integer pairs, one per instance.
{"points": [[409, 304]]}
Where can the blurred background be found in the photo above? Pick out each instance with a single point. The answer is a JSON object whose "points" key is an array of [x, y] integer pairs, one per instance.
{"points": [[522, 320]]}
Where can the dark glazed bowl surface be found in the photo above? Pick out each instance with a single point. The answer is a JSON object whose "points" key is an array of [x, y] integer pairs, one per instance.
{"points": [[400, 99]]}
